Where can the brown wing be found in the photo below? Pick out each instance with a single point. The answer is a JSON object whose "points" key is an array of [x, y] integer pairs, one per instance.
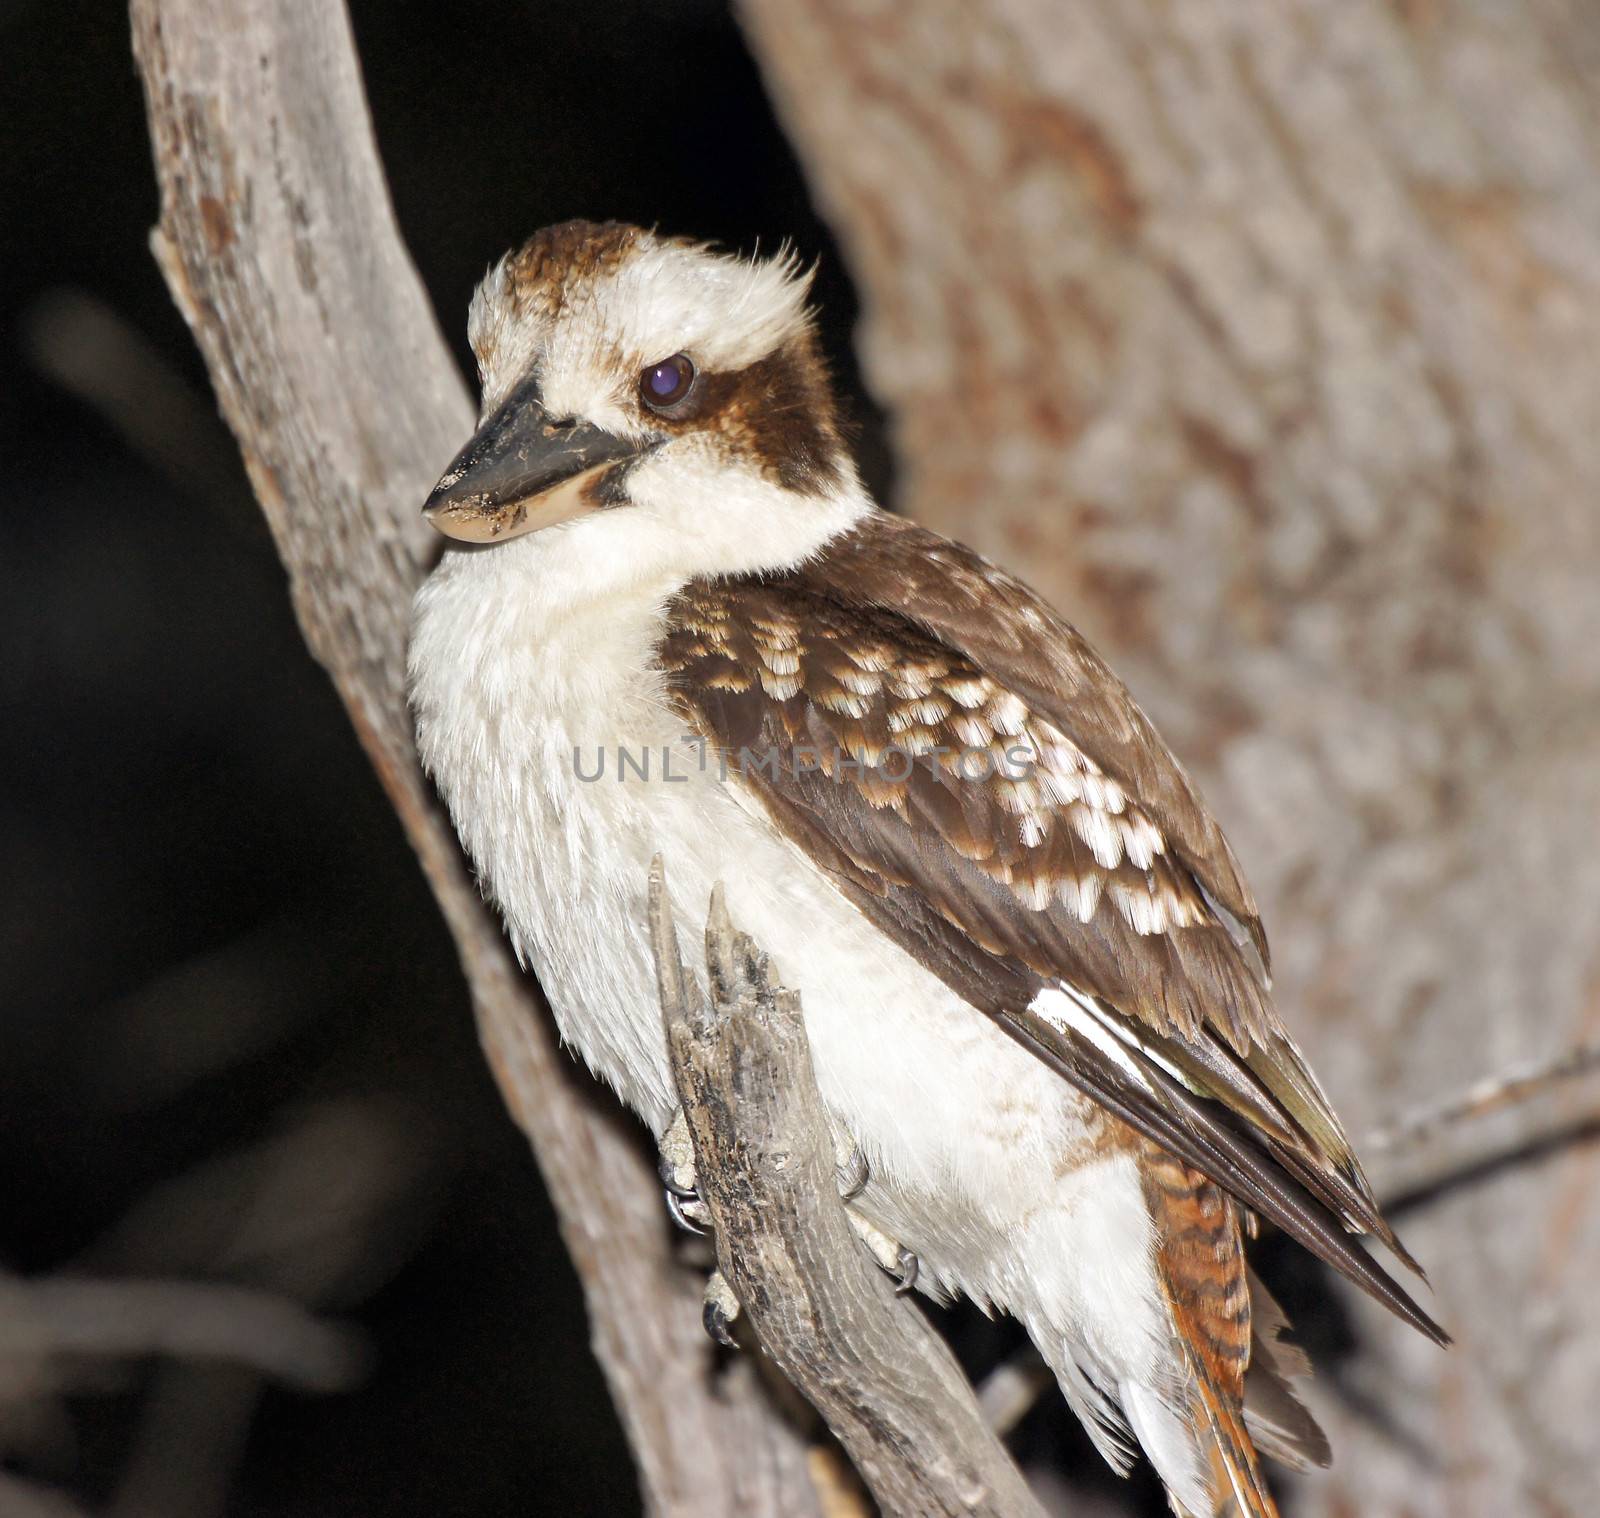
{"points": [[989, 794], [1003, 627]]}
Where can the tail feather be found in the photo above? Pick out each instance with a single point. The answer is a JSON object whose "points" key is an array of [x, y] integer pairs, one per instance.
{"points": [[1280, 1425], [1201, 1447], [1217, 1388], [1237, 1487], [1275, 1416], [1200, 1263]]}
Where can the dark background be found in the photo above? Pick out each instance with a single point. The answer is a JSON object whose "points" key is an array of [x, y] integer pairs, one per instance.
{"points": [[235, 1044]]}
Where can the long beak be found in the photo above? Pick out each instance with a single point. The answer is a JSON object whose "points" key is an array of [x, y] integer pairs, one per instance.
{"points": [[522, 472]]}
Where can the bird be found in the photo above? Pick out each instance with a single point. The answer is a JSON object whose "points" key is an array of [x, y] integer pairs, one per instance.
{"points": [[670, 621]]}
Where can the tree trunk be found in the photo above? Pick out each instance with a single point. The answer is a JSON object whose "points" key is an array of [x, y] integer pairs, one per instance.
{"points": [[1261, 337]]}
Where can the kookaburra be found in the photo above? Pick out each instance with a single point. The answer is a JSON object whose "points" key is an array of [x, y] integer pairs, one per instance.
{"points": [[1034, 981]]}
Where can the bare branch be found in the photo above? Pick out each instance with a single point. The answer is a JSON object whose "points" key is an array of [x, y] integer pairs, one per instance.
{"points": [[195, 1320], [883, 1380], [279, 245], [1541, 1107], [1509, 1088]]}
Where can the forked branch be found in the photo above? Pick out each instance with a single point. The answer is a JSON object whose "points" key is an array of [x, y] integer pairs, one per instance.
{"points": [[882, 1379]]}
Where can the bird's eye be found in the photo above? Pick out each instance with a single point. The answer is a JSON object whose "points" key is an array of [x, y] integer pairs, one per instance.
{"points": [[663, 385]]}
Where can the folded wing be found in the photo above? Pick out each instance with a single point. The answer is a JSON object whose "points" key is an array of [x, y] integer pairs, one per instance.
{"points": [[977, 781]]}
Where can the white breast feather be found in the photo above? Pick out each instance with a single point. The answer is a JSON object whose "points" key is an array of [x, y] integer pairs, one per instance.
{"points": [[978, 1153]]}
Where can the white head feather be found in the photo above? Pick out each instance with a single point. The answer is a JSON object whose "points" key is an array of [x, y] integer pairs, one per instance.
{"points": [[589, 327]]}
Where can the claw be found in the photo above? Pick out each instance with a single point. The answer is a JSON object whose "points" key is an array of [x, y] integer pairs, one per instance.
{"points": [[851, 1168], [717, 1326], [676, 1169], [720, 1310], [716, 1323], [906, 1267], [675, 1206], [677, 1156]]}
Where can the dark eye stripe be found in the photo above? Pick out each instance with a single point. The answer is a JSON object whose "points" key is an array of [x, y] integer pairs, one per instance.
{"points": [[663, 385]]}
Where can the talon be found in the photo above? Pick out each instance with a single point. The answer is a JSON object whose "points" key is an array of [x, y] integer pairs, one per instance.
{"points": [[906, 1267], [678, 1207], [720, 1310], [851, 1168], [717, 1326]]}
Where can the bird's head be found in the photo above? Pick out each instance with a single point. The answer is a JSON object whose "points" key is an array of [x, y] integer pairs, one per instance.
{"points": [[654, 396]]}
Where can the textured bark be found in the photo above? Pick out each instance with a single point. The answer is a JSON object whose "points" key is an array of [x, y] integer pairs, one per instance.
{"points": [[279, 244], [867, 1360], [1261, 336]]}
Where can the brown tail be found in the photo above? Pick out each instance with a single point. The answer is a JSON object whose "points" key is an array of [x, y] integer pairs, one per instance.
{"points": [[1200, 1259], [1233, 1471]]}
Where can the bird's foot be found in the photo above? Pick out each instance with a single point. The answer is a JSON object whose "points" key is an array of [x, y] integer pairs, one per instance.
{"points": [[850, 1164], [689, 1213], [891, 1254], [720, 1310], [682, 1188], [682, 1185]]}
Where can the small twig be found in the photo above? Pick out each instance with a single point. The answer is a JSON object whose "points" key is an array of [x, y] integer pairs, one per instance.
{"points": [[870, 1363], [92, 352], [1007, 1394], [192, 1320], [1455, 1143], [1494, 1093]]}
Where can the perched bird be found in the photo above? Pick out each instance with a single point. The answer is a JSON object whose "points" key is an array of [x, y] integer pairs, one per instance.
{"points": [[1034, 981]]}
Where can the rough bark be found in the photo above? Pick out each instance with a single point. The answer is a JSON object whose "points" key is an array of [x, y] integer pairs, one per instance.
{"points": [[279, 244], [866, 1359], [1261, 336]]}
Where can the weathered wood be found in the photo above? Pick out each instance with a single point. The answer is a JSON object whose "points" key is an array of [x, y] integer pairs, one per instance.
{"points": [[867, 1360], [1261, 336], [279, 244]]}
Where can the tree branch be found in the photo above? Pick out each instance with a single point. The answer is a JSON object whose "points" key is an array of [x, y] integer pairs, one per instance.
{"points": [[1536, 1081], [1543, 1107], [196, 1320], [278, 242], [884, 1381]]}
